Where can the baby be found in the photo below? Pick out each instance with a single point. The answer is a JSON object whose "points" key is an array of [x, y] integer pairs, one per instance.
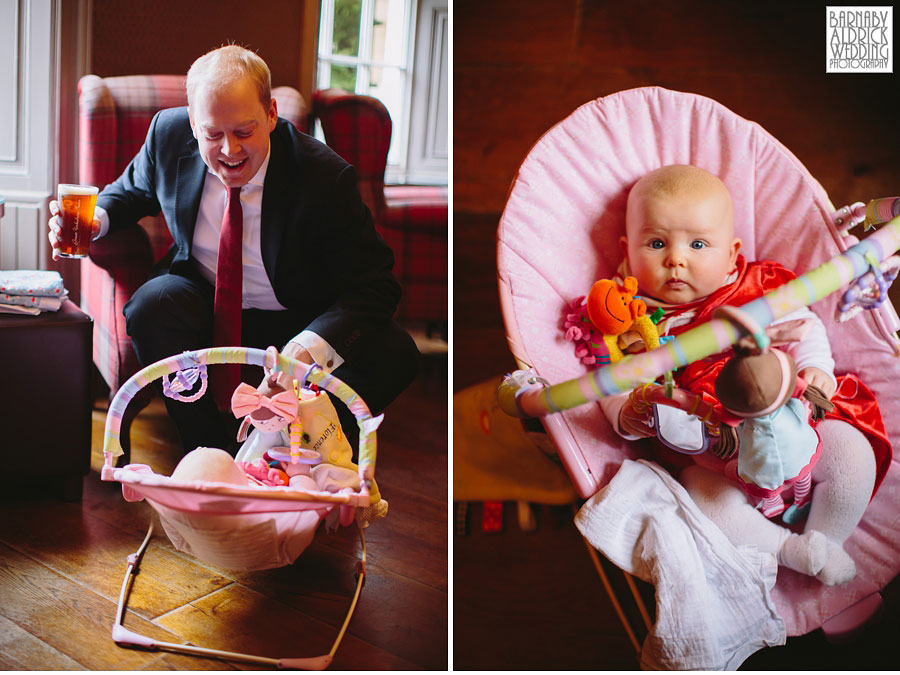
{"points": [[324, 457], [680, 245]]}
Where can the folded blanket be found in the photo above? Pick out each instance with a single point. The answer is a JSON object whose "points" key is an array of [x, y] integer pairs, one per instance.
{"points": [[31, 291], [47, 283], [19, 309], [40, 302], [713, 603]]}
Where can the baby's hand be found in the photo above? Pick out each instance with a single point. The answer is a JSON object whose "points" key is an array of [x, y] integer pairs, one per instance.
{"points": [[635, 423], [820, 379]]}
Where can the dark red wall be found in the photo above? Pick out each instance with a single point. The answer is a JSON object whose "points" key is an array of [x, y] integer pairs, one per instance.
{"points": [[133, 37], [522, 65]]}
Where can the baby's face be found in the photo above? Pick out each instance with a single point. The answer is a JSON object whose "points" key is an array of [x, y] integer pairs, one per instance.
{"points": [[680, 248]]}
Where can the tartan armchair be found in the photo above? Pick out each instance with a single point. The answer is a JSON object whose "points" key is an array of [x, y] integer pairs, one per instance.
{"points": [[114, 115], [411, 218]]}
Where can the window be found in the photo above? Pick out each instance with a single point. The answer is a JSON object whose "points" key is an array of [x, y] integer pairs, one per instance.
{"points": [[370, 47]]}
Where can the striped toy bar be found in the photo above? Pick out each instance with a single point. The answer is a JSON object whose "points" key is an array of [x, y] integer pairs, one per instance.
{"points": [[875, 212], [882, 210], [526, 398], [298, 370]]}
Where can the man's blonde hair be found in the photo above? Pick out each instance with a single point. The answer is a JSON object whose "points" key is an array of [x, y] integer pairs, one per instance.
{"points": [[225, 65]]}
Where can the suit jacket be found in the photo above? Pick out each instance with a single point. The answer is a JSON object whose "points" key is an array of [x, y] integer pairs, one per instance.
{"points": [[319, 246]]}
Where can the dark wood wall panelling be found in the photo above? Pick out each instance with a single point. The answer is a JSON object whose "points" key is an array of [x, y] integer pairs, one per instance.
{"points": [[131, 37], [520, 66]]}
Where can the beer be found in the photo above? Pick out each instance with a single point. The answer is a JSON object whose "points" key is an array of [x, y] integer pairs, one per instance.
{"points": [[76, 217]]}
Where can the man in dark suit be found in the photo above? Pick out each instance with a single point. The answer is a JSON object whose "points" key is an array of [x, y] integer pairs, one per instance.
{"points": [[315, 276]]}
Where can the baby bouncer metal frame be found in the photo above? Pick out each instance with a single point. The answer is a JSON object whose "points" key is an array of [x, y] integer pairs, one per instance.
{"points": [[139, 482]]}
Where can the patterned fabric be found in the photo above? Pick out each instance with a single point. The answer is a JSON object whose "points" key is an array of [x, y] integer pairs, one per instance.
{"points": [[412, 219], [114, 115], [32, 282], [291, 107], [358, 128], [414, 224]]}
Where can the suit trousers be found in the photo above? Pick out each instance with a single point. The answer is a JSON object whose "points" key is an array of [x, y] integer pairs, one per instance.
{"points": [[172, 313]]}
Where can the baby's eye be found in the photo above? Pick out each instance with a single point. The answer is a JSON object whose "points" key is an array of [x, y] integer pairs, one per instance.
{"points": [[657, 244], [697, 244]]}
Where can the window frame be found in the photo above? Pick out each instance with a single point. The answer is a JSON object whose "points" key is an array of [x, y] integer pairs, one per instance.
{"points": [[397, 167]]}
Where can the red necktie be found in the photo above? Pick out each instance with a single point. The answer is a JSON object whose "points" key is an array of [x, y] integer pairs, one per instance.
{"points": [[227, 305]]}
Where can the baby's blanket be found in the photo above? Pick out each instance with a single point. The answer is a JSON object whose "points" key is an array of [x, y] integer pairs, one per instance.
{"points": [[713, 603], [31, 291], [31, 282], [40, 302]]}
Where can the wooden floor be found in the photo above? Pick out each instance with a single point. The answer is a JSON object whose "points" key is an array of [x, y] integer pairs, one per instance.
{"points": [[61, 567], [532, 600]]}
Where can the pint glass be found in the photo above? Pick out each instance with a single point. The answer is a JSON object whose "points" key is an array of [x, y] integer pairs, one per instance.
{"points": [[76, 216]]}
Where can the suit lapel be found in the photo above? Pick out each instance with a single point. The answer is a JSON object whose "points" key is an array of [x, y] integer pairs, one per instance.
{"points": [[189, 188]]}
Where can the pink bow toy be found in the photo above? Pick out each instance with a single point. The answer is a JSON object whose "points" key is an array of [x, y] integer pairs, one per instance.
{"points": [[246, 400]]}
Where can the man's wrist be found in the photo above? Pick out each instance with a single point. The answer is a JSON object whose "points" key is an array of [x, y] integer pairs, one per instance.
{"points": [[319, 349]]}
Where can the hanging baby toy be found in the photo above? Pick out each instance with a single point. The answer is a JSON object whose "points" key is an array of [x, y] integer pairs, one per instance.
{"points": [[612, 310], [761, 394], [297, 438]]}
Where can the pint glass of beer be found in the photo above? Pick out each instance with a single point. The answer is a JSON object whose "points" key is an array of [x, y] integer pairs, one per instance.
{"points": [[76, 217]]}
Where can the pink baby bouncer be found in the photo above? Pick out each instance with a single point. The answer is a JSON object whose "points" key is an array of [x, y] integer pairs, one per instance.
{"points": [[559, 233], [256, 527]]}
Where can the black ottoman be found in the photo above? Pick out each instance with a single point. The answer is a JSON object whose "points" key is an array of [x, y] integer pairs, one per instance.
{"points": [[46, 400]]}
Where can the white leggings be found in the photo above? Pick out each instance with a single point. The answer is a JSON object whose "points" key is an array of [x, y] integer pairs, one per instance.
{"points": [[843, 479]]}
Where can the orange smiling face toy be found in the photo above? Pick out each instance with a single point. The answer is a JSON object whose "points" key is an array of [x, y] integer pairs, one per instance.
{"points": [[613, 309]]}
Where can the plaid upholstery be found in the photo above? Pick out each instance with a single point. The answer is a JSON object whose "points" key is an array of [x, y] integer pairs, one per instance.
{"points": [[412, 219], [414, 224], [358, 128], [291, 107], [114, 115]]}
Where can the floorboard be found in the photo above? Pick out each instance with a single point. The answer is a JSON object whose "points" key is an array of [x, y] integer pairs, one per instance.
{"points": [[20, 650], [66, 616], [63, 541], [61, 566]]}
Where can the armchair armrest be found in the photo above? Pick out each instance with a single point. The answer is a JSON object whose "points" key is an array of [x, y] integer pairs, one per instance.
{"points": [[124, 253]]}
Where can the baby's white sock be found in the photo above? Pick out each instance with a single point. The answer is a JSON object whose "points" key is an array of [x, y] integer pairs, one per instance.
{"points": [[806, 553], [839, 568]]}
